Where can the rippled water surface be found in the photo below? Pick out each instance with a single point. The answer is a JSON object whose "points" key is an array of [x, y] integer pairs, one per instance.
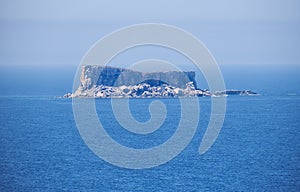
{"points": [[257, 149]]}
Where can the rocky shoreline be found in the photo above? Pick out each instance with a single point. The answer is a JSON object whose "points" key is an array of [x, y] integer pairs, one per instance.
{"points": [[147, 91], [110, 82]]}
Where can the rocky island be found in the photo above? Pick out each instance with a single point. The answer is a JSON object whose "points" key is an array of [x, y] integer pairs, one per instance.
{"points": [[111, 82]]}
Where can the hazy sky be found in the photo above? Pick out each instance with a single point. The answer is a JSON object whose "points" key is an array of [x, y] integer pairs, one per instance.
{"points": [[57, 32]]}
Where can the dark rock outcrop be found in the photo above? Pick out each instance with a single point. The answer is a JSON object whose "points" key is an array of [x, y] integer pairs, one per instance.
{"points": [[110, 82], [115, 77], [236, 92]]}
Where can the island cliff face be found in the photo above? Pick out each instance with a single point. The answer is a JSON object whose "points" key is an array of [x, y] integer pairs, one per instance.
{"points": [[115, 77], [110, 82]]}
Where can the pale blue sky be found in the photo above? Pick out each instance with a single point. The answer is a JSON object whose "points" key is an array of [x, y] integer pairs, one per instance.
{"points": [[57, 32]]}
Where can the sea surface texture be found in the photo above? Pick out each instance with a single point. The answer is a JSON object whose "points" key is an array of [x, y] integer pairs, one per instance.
{"points": [[257, 149]]}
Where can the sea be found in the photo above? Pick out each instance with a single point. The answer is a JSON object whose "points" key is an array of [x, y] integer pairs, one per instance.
{"points": [[258, 147]]}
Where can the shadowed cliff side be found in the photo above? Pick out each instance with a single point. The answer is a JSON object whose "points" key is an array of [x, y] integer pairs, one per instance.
{"points": [[115, 77], [111, 82]]}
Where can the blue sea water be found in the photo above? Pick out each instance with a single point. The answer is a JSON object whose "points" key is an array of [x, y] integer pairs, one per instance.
{"points": [[257, 149]]}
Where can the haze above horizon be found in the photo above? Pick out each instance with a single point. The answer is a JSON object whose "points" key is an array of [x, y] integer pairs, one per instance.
{"points": [[35, 33]]}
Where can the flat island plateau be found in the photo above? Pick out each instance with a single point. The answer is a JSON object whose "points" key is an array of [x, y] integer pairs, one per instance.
{"points": [[111, 82]]}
